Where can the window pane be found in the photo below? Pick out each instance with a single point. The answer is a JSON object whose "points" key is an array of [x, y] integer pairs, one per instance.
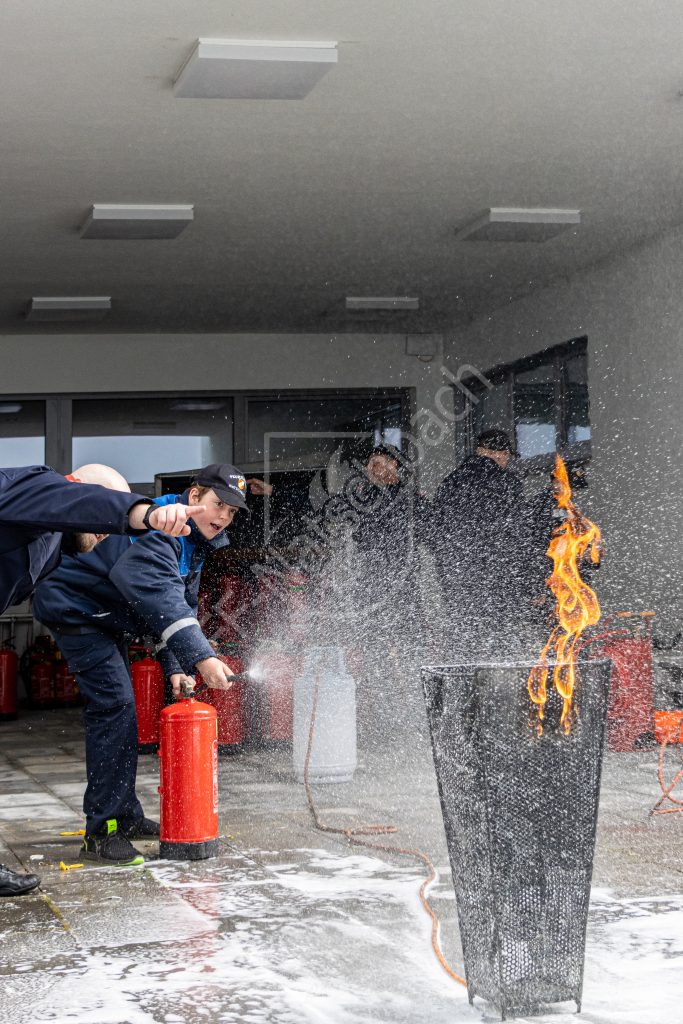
{"points": [[534, 402], [578, 421], [22, 433], [142, 437], [490, 409], [308, 420]]}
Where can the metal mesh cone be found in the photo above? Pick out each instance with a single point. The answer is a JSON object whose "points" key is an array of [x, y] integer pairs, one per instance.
{"points": [[520, 812]]}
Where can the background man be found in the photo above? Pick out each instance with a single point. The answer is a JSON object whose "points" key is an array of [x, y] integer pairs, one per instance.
{"points": [[488, 568], [91, 603], [43, 514]]}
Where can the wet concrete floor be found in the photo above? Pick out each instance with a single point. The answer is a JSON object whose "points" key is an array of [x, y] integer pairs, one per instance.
{"points": [[290, 924]]}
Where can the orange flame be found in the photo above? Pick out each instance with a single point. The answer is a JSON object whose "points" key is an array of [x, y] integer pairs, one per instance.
{"points": [[576, 604]]}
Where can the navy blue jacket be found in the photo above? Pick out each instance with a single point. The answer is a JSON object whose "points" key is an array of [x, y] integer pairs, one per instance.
{"points": [[126, 587], [37, 506]]}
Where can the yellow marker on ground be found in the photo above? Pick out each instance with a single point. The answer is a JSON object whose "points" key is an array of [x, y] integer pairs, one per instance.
{"points": [[69, 867], [81, 832]]}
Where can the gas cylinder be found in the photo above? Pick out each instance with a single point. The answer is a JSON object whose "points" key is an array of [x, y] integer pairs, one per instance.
{"points": [[147, 677], [270, 695], [229, 705], [67, 694], [9, 664], [189, 781], [41, 684], [326, 687]]}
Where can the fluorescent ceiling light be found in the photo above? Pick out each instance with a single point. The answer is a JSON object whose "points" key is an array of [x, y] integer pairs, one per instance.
{"points": [[253, 69], [389, 302], [65, 307], [516, 224], [118, 220], [7, 408]]}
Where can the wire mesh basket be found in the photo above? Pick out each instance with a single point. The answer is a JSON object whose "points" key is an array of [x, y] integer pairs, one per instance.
{"points": [[520, 812]]}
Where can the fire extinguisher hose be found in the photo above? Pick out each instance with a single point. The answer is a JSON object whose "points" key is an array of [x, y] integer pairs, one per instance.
{"points": [[354, 836]]}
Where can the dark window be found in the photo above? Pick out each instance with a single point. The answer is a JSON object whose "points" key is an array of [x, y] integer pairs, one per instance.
{"points": [[542, 401]]}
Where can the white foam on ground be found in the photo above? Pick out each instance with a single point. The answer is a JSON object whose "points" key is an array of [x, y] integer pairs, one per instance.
{"points": [[335, 940]]}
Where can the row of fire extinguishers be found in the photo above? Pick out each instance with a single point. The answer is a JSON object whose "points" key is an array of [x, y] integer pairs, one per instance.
{"points": [[45, 674], [254, 712]]}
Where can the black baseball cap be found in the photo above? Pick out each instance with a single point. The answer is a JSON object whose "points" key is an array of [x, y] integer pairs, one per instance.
{"points": [[229, 484], [496, 441]]}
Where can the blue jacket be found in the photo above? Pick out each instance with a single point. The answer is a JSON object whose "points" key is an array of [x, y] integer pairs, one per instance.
{"points": [[37, 506], [126, 587], [193, 550]]}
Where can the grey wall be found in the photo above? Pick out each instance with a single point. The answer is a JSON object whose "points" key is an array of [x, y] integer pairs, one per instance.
{"points": [[632, 313]]}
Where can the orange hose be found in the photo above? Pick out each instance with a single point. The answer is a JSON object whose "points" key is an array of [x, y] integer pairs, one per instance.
{"points": [[352, 836], [668, 789]]}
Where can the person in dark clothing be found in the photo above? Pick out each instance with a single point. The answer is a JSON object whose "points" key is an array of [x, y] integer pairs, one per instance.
{"points": [[218, 486], [388, 524], [375, 594], [43, 514], [488, 570], [91, 603]]}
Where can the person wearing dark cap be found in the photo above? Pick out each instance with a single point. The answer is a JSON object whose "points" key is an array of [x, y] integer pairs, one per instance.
{"points": [[479, 535], [92, 603], [380, 611]]}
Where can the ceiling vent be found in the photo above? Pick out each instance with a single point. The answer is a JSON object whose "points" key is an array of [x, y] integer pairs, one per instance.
{"points": [[517, 224], [117, 220], [68, 308], [253, 69]]}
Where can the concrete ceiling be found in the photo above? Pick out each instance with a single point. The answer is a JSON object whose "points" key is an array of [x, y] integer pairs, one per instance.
{"points": [[436, 110]]}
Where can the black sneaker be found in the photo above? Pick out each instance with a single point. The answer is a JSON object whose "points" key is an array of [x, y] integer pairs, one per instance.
{"points": [[140, 828], [112, 848]]}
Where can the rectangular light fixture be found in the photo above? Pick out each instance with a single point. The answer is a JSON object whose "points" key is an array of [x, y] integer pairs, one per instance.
{"points": [[253, 69], [397, 303], [119, 220], [517, 224], [68, 308]]}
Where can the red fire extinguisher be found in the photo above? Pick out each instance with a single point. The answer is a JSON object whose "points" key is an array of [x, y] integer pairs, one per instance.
{"points": [[9, 663], [271, 697], [147, 676], [42, 684], [230, 609], [67, 694], [229, 705], [630, 717], [189, 781]]}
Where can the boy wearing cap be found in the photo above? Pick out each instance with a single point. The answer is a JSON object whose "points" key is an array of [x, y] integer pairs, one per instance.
{"points": [[91, 604], [223, 491]]}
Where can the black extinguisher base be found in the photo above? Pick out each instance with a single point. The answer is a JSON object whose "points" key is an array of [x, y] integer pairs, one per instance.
{"points": [[148, 748], [9, 716], [188, 851]]}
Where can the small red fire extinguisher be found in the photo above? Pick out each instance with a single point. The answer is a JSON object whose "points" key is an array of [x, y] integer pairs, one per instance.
{"points": [[8, 682], [229, 705], [147, 677], [189, 781]]}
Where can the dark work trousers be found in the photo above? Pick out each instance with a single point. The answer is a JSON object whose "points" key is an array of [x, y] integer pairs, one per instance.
{"points": [[100, 663]]}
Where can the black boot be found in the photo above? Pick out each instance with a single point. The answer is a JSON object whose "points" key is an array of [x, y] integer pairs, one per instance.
{"points": [[14, 884]]}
